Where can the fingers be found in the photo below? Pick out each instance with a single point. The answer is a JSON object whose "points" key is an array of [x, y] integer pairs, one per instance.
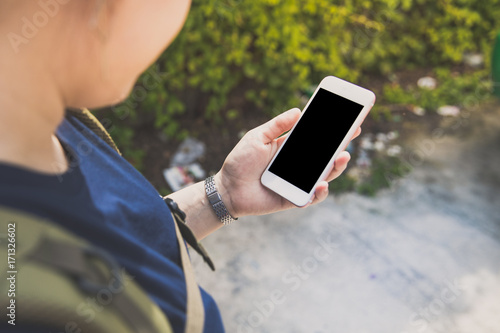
{"points": [[339, 166], [283, 123], [356, 134], [320, 194], [279, 125], [342, 160]]}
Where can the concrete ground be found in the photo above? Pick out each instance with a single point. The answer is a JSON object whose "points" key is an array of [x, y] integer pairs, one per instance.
{"points": [[421, 257]]}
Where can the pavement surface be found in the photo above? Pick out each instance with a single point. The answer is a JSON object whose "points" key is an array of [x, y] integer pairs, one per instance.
{"points": [[423, 256]]}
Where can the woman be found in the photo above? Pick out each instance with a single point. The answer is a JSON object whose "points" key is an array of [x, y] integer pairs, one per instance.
{"points": [[61, 54]]}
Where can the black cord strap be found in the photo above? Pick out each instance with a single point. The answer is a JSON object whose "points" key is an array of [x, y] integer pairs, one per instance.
{"points": [[187, 233]]}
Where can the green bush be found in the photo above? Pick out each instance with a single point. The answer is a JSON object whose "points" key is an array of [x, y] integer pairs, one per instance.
{"points": [[266, 51], [235, 53]]}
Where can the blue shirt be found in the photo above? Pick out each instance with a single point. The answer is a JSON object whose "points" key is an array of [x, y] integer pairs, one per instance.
{"points": [[105, 200]]}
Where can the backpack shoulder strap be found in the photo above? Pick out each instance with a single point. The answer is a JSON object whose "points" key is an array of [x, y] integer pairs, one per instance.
{"points": [[89, 120], [57, 280], [195, 311]]}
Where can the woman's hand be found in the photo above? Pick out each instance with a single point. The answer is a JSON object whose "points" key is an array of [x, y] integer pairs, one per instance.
{"points": [[238, 182], [239, 179]]}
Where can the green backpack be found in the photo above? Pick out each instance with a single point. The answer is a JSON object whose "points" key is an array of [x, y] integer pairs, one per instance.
{"points": [[58, 282]]}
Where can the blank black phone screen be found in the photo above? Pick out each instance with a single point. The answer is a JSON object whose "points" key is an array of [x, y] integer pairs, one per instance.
{"points": [[315, 139]]}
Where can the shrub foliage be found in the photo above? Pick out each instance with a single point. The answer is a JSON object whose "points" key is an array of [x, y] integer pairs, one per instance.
{"points": [[266, 51]]}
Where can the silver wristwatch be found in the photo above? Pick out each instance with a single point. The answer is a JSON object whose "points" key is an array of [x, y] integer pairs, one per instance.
{"points": [[216, 201]]}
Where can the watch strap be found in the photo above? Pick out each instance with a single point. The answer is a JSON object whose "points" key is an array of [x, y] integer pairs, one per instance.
{"points": [[215, 200]]}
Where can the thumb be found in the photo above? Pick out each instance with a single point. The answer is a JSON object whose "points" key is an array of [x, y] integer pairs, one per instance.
{"points": [[280, 124]]}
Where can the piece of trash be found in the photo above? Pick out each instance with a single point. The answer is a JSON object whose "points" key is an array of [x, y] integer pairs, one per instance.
{"points": [[366, 143], [178, 177], [448, 110], [419, 111], [382, 137], [363, 160], [392, 135], [379, 145], [474, 59], [427, 82], [394, 150], [188, 152]]}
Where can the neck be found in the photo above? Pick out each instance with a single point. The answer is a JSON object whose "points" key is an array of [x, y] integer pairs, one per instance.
{"points": [[31, 108]]}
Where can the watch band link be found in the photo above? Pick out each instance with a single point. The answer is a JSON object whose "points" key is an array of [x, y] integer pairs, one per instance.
{"points": [[216, 202]]}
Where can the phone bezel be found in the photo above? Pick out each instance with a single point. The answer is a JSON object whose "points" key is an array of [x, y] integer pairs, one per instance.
{"points": [[342, 88]]}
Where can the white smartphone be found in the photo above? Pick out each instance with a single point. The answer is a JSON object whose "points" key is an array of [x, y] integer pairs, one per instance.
{"points": [[330, 118]]}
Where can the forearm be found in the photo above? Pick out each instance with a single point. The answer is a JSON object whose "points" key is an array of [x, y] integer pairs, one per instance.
{"points": [[200, 216]]}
